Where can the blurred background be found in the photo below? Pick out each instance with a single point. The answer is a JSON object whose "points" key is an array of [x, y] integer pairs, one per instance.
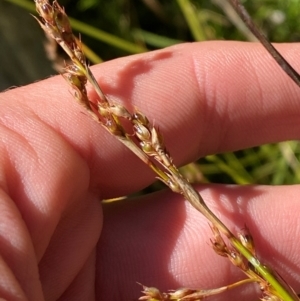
{"points": [[110, 29]]}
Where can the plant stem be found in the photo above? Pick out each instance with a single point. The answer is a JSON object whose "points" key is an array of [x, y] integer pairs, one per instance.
{"points": [[288, 69], [192, 20]]}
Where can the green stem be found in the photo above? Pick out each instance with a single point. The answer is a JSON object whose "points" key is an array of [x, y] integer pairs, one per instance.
{"points": [[279, 288], [192, 20], [91, 31], [107, 37]]}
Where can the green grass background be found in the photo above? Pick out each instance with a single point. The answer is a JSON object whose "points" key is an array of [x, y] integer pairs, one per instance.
{"points": [[121, 27]]}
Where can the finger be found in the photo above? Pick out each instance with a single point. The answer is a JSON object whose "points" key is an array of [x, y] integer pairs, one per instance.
{"points": [[49, 217], [16, 251], [161, 241], [209, 96], [204, 97]]}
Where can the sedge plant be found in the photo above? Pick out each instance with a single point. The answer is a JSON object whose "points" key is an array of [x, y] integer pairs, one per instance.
{"points": [[146, 141]]}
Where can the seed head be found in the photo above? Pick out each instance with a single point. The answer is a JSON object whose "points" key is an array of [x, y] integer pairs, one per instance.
{"points": [[120, 111], [45, 10], [218, 242], [151, 294], [142, 132], [180, 293], [237, 259], [247, 240], [140, 118]]}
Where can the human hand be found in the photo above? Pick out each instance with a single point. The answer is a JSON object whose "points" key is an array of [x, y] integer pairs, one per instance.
{"points": [[57, 163]]}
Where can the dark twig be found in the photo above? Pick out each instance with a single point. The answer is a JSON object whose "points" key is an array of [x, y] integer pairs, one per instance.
{"points": [[288, 69]]}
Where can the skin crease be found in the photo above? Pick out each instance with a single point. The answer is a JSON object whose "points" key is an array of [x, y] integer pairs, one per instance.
{"points": [[56, 240]]}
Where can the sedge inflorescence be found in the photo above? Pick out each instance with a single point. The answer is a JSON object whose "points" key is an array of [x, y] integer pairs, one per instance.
{"points": [[147, 143]]}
